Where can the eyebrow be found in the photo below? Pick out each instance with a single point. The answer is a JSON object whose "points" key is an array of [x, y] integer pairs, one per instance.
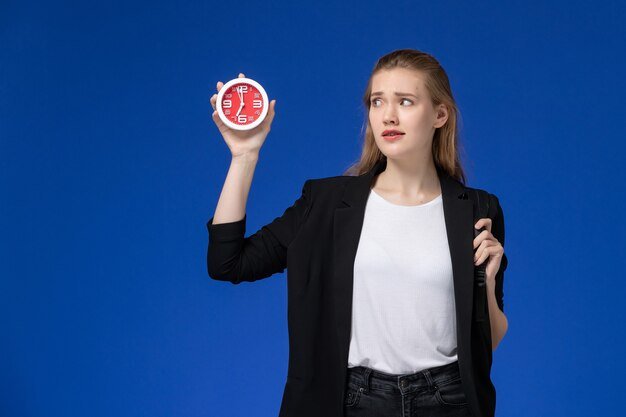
{"points": [[380, 93]]}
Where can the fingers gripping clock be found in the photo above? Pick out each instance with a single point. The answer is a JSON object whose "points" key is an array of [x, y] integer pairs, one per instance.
{"points": [[242, 104]]}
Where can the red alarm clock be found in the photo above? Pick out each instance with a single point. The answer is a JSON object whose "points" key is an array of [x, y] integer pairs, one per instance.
{"points": [[242, 103]]}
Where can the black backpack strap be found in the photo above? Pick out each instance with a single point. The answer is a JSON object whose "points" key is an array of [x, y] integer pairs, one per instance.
{"points": [[480, 203]]}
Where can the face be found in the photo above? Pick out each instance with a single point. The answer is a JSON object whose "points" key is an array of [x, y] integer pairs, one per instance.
{"points": [[399, 101]]}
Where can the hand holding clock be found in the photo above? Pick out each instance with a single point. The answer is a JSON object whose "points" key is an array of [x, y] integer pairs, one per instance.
{"points": [[241, 139]]}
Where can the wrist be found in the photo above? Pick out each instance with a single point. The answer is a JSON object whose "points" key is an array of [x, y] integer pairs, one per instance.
{"points": [[247, 157]]}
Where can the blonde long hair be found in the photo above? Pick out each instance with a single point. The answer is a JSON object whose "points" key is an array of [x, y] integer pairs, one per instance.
{"points": [[446, 143]]}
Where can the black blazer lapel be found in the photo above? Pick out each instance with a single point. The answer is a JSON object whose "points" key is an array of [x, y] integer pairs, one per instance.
{"points": [[348, 222]]}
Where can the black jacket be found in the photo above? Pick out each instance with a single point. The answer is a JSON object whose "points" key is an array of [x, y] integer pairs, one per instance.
{"points": [[316, 239]]}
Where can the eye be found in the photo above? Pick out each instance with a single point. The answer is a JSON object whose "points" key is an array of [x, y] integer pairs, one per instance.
{"points": [[373, 101]]}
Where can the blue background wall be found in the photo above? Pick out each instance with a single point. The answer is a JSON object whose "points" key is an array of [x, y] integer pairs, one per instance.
{"points": [[111, 166]]}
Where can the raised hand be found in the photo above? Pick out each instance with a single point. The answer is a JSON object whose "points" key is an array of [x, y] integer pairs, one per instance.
{"points": [[241, 142]]}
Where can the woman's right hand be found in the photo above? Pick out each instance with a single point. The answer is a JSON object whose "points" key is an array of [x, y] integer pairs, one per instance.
{"points": [[241, 142]]}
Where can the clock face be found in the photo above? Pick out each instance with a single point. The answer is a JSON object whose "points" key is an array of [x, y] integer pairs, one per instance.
{"points": [[242, 103]]}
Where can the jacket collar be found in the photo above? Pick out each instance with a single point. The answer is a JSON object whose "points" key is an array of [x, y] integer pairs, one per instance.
{"points": [[357, 192]]}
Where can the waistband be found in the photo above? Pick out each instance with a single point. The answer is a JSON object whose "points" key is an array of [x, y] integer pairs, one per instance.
{"points": [[426, 379]]}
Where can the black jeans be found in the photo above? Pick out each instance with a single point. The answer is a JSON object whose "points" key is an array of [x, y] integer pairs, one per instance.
{"points": [[432, 392]]}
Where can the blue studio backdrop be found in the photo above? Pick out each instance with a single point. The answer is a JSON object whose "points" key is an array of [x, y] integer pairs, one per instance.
{"points": [[110, 167]]}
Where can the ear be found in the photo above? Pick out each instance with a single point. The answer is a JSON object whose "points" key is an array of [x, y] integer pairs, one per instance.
{"points": [[442, 115]]}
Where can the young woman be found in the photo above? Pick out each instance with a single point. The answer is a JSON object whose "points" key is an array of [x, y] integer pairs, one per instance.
{"points": [[380, 261]]}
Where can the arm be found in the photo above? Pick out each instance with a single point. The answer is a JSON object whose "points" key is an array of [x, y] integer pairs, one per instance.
{"points": [[499, 322], [235, 258], [231, 205]]}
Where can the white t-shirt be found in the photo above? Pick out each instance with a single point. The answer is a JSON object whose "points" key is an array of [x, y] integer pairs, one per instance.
{"points": [[403, 309]]}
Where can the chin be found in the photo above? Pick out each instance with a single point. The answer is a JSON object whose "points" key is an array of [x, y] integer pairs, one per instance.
{"points": [[391, 146], [394, 152]]}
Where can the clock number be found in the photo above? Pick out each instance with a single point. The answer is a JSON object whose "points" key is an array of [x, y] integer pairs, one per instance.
{"points": [[257, 104], [227, 104], [243, 88], [242, 118]]}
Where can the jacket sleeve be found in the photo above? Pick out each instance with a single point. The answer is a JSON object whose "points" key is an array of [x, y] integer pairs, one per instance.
{"points": [[235, 258], [497, 229]]}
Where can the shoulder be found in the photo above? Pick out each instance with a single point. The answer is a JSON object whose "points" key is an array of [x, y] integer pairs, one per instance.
{"points": [[325, 191], [326, 185], [492, 198]]}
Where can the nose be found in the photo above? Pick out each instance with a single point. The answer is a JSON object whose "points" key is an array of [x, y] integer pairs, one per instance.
{"points": [[390, 116]]}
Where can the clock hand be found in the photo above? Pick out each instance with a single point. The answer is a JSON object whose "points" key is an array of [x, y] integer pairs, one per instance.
{"points": [[241, 103], [239, 96], [240, 107]]}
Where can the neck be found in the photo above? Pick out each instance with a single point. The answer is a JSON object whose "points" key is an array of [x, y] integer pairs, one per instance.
{"points": [[409, 178]]}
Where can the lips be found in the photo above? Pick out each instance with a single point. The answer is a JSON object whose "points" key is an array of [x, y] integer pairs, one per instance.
{"points": [[392, 133]]}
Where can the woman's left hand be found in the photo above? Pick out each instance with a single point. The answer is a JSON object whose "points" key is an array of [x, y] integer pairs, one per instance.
{"points": [[488, 248]]}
